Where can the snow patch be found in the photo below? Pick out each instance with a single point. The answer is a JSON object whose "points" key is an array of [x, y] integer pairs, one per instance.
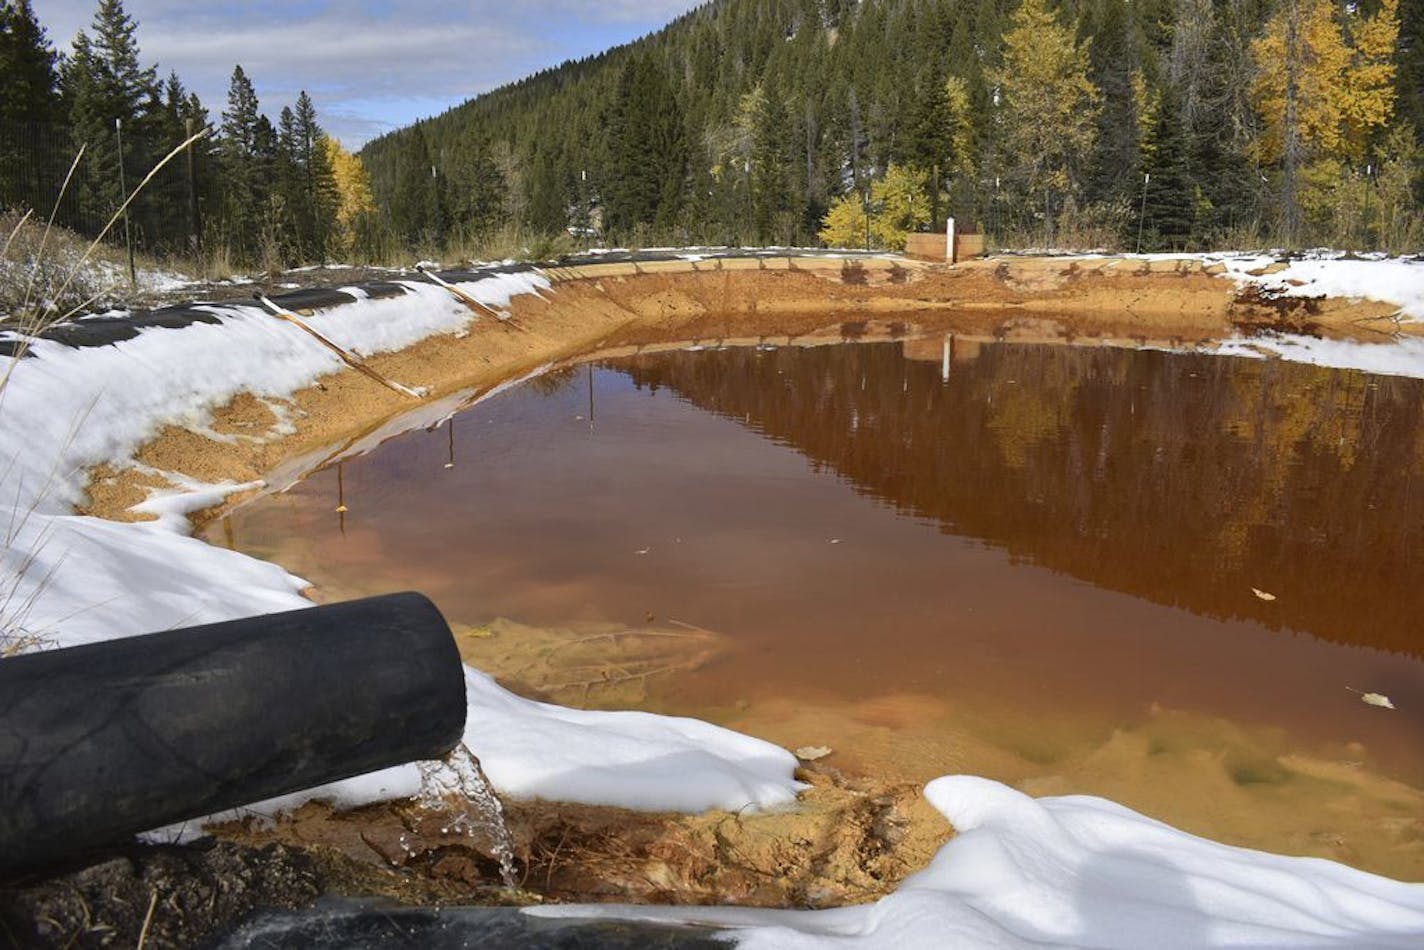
{"points": [[1395, 281], [1402, 357], [1079, 871]]}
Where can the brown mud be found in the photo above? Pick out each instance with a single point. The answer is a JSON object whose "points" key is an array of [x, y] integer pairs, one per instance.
{"points": [[850, 839]]}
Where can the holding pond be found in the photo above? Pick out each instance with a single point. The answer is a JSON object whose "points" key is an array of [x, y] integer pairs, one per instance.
{"points": [[1040, 569]]}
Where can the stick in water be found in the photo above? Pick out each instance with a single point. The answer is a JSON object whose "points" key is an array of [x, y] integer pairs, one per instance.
{"points": [[471, 302], [350, 359]]}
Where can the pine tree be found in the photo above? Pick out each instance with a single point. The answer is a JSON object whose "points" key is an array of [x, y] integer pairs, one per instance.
{"points": [[777, 201], [104, 84], [1411, 64], [1169, 200], [1116, 69], [478, 191], [858, 87], [414, 202], [27, 67], [316, 199], [29, 110], [646, 164], [241, 161]]}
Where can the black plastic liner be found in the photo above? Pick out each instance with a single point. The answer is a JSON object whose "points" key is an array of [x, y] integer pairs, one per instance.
{"points": [[100, 330], [375, 927]]}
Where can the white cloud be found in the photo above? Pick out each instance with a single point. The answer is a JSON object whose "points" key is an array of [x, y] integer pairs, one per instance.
{"points": [[369, 66]]}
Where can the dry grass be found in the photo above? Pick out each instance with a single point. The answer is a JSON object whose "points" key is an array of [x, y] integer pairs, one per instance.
{"points": [[44, 274], [45, 278]]}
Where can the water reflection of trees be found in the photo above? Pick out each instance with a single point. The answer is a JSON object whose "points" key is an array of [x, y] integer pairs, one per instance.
{"points": [[1185, 479]]}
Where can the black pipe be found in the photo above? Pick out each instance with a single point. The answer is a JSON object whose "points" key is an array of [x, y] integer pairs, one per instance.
{"points": [[98, 743]]}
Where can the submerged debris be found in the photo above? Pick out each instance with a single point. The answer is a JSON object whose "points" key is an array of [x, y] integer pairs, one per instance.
{"points": [[810, 753], [1373, 699]]}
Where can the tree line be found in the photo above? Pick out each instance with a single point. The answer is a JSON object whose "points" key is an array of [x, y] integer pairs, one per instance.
{"points": [[250, 192], [1157, 123]]}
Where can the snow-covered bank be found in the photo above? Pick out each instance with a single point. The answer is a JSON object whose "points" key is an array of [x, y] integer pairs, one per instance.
{"points": [[1395, 281], [67, 579], [1079, 871]]}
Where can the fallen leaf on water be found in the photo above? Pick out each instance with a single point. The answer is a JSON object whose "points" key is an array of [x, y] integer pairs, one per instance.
{"points": [[1262, 594], [810, 753], [1377, 699]]}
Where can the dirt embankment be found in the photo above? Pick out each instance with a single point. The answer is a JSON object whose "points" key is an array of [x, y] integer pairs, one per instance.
{"points": [[851, 839]]}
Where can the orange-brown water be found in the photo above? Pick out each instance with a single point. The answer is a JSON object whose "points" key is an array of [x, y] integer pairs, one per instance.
{"points": [[1040, 569]]}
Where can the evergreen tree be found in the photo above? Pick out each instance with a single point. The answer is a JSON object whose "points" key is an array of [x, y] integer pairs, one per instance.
{"points": [[777, 198], [646, 164], [315, 204], [771, 106], [1116, 69], [1169, 202], [477, 189], [1411, 64], [414, 203], [241, 163], [29, 110], [104, 84]]}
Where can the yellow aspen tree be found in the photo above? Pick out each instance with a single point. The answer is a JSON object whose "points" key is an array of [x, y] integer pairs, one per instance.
{"points": [[844, 223], [353, 190], [1300, 74], [1047, 106], [1324, 85], [897, 205], [1369, 81], [961, 127], [1344, 90]]}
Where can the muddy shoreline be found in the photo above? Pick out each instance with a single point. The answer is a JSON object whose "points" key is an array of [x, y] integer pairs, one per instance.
{"points": [[853, 838]]}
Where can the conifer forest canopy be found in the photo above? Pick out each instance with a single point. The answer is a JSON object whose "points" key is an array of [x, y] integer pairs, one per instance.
{"points": [[1160, 124]]}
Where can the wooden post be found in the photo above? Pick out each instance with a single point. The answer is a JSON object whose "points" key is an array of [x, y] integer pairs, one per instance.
{"points": [[194, 223]]}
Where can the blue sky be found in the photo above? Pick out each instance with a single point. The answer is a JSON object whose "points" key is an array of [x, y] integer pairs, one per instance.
{"points": [[369, 66]]}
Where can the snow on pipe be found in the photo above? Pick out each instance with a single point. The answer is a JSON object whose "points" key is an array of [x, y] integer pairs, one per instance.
{"points": [[101, 742]]}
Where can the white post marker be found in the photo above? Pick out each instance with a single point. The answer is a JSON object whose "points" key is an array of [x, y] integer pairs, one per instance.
{"points": [[948, 349], [350, 359], [503, 317], [949, 240]]}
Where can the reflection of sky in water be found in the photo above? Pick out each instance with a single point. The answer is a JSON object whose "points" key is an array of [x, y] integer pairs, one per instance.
{"points": [[1053, 532]]}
